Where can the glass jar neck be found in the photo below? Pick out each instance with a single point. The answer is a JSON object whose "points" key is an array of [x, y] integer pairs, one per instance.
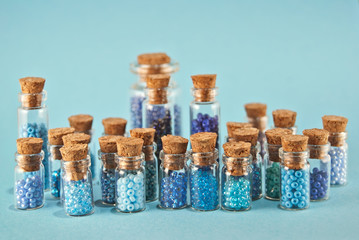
{"points": [[143, 70], [204, 94], [33, 101], [157, 96], [204, 159], [259, 122], [173, 161], [255, 150], [108, 159], [273, 152], [55, 152], [318, 151], [337, 139], [29, 162], [294, 160], [237, 166], [149, 151], [129, 163], [76, 170]]}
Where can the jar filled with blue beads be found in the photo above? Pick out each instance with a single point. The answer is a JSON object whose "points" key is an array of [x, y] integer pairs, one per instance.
{"points": [[284, 118], [295, 183], [204, 172], [76, 180], [114, 126], [130, 176], [55, 143], [32, 115], [250, 135], [173, 173], [319, 161], [205, 109], [272, 162], [336, 125], [152, 64], [82, 123], [29, 174], [151, 163], [232, 126], [237, 176]]}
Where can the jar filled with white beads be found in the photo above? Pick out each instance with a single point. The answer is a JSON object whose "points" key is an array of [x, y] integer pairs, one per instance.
{"points": [[237, 176], [232, 126], [336, 125], [130, 176], [29, 174], [295, 183], [284, 118], [114, 126], [32, 115], [76, 180]]}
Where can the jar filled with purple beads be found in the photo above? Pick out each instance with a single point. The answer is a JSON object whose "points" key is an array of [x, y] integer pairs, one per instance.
{"points": [[232, 126], [204, 172], [336, 126], [284, 118], [152, 64], [237, 176], [55, 143], [29, 174], [130, 176], [173, 173], [319, 163], [151, 163], [272, 162], [295, 183], [205, 109], [33, 119], [114, 126]]}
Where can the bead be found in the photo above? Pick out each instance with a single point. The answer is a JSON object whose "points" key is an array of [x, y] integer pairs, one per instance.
{"points": [[130, 199], [78, 197], [108, 183], [55, 182], [173, 190], [272, 182], [319, 183], [32, 196], [257, 179], [205, 123], [339, 159], [237, 192], [151, 180]]}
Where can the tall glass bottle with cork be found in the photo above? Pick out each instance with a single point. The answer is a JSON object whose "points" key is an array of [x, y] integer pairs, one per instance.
{"points": [[336, 126], [32, 116], [114, 126], [283, 118], [153, 64]]}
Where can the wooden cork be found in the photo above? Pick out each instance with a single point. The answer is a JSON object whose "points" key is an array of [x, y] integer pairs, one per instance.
{"points": [[74, 168], [274, 136], [249, 135], [204, 80], [237, 149], [76, 138], [81, 122], [158, 81], [29, 145], [153, 58], [31, 87], [334, 124], [203, 142], [255, 110], [316, 136], [146, 134], [29, 159], [157, 88], [231, 126], [55, 135], [294, 143], [108, 144], [114, 126], [174, 144], [129, 147], [284, 118]]}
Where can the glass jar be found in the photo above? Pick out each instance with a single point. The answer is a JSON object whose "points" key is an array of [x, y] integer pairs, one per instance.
{"points": [[173, 181], [295, 184], [92, 152], [77, 188], [256, 172], [151, 170], [55, 170], [272, 172], [130, 184], [204, 181], [29, 181], [339, 158], [319, 172], [261, 124], [33, 121], [237, 175], [108, 177]]}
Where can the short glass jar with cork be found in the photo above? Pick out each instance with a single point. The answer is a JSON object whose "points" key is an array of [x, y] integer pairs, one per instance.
{"points": [[29, 174], [295, 183], [237, 176], [114, 126], [204, 172], [319, 161], [32, 116], [284, 118], [130, 176], [173, 173], [232, 126], [336, 126]]}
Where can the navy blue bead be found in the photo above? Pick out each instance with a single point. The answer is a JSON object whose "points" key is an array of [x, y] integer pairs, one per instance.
{"points": [[205, 123], [55, 183], [256, 181], [108, 186], [319, 184], [173, 192], [136, 111]]}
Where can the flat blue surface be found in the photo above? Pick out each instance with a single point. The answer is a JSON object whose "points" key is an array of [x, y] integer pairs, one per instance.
{"points": [[300, 55]]}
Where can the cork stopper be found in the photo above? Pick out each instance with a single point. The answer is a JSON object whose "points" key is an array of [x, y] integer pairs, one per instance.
{"points": [[232, 126], [158, 81], [55, 135], [153, 58], [157, 88], [146, 134], [237, 149], [29, 145], [74, 168], [255, 110], [29, 159], [108, 144], [234, 154], [76, 138], [204, 80], [294, 143], [114, 126], [81, 122], [284, 118], [249, 135], [334, 124], [274, 136], [174, 144], [74, 152], [316, 136], [32, 84], [203, 142], [129, 147]]}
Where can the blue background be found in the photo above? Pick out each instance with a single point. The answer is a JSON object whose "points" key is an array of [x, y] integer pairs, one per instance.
{"points": [[299, 55]]}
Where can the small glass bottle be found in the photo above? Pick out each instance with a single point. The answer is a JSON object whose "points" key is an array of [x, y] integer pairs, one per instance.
{"points": [[283, 118], [336, 126], [32, 116], [114, 126], [237, 177], [130, 176], [205, 109], [76, 180], [295, 183], [29, 174], [232, 126], [152, 64]]}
